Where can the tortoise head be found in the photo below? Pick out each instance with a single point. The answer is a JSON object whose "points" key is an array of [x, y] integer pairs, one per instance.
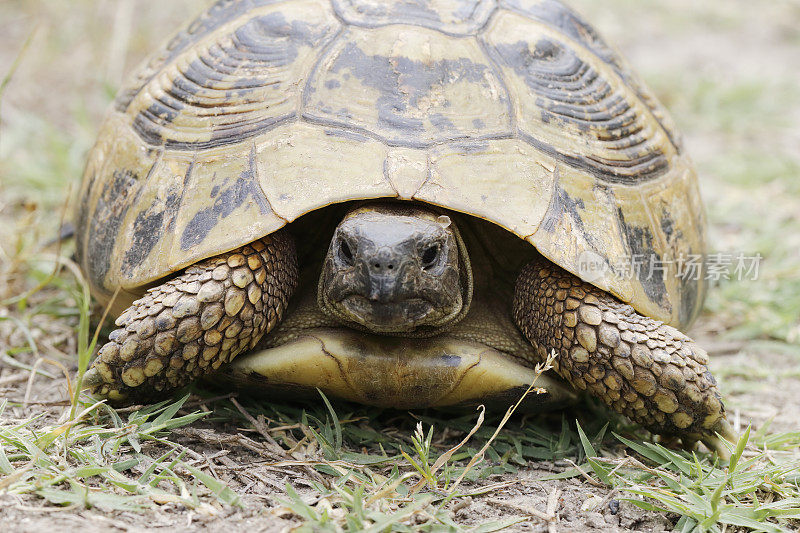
{"points": [[396, 269]]}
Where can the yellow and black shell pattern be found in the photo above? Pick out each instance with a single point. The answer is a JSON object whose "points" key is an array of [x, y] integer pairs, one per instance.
{"points": [[514, 111]]}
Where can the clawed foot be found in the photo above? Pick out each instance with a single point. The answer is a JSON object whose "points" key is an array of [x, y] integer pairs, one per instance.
{"points": [[640, 367]]}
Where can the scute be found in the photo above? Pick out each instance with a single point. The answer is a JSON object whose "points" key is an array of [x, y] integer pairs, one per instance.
{"points": [[453, 17], [226, 193], [518, 112], [576, 107], [236, 82], [409, 87], [218, 14], [117, 168], [555, 14], [463, 177]]}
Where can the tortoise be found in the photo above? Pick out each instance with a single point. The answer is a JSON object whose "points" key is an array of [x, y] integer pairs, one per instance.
{"points": [[404, 203]]}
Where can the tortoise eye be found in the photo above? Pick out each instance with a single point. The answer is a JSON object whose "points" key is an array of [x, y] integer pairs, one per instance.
{"points": [[345, 254], [429, 256]]}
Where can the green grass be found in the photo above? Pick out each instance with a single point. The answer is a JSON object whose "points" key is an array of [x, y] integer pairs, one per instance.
{"points": [[756, 490], [89, 460]]}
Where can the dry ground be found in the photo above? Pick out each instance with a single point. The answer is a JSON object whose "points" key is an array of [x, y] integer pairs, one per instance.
{"points": [[727, 70]]}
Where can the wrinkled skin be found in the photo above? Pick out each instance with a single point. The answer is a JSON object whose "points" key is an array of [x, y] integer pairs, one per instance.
{"points": [[394, 271]]}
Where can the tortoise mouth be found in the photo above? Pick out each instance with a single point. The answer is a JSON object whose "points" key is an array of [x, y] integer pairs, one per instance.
{"points": [[392, 372], [387, 316]]}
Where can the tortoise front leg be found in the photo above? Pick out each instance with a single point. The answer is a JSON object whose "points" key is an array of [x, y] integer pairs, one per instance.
{"points": [[640, 367], [195, 322]]}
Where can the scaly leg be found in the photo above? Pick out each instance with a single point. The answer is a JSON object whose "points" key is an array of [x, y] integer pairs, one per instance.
{"points": [[195, 322], [643, 368]]}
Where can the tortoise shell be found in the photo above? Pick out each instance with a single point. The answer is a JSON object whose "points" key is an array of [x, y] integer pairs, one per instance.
{"points": [[514, 111]]}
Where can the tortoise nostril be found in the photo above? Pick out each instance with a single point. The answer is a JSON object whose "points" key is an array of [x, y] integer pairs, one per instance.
{"points": [[380, 265]]}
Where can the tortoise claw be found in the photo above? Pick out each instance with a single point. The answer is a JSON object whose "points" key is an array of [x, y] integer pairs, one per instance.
{"points": [[718, 443], [91, 379]]}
